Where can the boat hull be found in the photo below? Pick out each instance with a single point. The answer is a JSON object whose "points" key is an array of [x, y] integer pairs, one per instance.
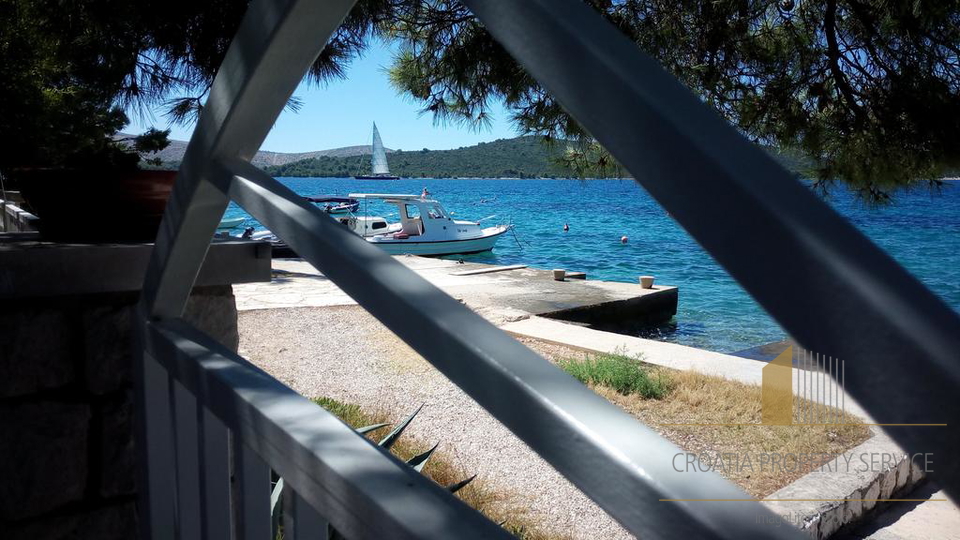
{"points": [[230, 223], [376, 177], [439, 247]]}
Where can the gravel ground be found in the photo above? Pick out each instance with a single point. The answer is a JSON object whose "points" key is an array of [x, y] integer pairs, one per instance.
{"points": [[344, 353]]}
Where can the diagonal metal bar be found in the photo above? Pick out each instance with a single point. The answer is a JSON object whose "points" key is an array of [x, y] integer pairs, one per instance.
{"points": [[816, 274], [275, 45], [624, 466], [361, 489]]}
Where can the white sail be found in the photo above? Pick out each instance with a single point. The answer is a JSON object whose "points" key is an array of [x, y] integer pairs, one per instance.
{"points": [[379, 159]]}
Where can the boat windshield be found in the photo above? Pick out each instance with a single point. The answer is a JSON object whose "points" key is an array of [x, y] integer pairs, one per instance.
{"points": [[412, 211], [436, 212]]}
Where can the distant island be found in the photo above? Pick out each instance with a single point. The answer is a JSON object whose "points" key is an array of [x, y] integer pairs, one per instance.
{"points": [[172, 155], [520, 157]]}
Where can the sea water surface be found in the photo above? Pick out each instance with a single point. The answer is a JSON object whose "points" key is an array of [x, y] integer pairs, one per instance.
{"points": [[920, 229]]}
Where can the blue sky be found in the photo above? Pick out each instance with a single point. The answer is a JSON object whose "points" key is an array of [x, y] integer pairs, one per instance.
{"points": [[342, 114]]}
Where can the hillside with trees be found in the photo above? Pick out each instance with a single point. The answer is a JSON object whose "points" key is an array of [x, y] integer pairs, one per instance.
{"points": [[522, 157]]}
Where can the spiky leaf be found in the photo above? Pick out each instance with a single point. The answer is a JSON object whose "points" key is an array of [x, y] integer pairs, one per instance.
{"points": [[367, 429], [453, 488], [275, 506], [418, 461], [392, 437]]}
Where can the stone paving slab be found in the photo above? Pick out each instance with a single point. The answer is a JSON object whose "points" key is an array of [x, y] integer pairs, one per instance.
{"points": [[932, 519], [297, 283]]}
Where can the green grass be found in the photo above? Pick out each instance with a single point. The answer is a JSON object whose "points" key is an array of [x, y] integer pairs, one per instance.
{"points": [[351, 414], [622, 373]]}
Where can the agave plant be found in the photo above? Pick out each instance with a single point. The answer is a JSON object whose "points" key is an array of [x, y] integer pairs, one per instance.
{"points": [[417, 462]]}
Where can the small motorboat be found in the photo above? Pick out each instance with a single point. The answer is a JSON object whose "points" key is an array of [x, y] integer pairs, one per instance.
{"points": [[230, 223], [425, 228], [336, 205], [279, 248]]}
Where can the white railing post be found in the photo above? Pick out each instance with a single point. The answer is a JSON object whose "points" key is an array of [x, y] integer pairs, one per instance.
{"points": [[187, 443], [157, 491]]}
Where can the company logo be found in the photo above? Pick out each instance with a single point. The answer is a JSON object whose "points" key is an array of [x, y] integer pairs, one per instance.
{"points": [[814, 395]]}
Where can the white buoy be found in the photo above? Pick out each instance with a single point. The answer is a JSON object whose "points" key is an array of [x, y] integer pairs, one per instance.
{"points": [[623, 239]]}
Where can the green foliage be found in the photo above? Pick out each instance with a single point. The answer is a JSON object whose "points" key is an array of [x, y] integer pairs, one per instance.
{"points": [[64, 69], [70, 69], [622, 373], [522, 157], [350, 413], [868, 91]]}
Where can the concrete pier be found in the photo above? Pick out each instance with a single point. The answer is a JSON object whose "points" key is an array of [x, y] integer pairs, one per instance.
{"points": [[500, 293]]}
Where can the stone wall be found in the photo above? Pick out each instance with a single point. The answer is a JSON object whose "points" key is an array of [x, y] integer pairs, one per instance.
{"points": [[68, 467], [628, 317], [844, 491]]}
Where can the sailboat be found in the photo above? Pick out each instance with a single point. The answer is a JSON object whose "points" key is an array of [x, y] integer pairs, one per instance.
{"points": [[378, 161]]}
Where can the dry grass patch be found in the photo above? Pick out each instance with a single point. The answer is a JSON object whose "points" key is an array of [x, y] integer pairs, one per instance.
{"points": [[693, 398], [445, 470]]}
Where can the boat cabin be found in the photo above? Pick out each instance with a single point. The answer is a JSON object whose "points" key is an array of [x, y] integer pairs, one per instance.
{"points": [[418, 217], [425, 228], [365, 225]]}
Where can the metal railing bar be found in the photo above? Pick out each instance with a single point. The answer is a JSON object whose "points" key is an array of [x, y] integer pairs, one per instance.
{"points": [[827, 285], [215, 510], [624, 466], [275, 45], [300, 520], [802, 395], [819, 389], [363, 491], [157, 496], [253, 493]]}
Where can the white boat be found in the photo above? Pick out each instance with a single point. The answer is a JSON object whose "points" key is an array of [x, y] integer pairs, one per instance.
{"points": [[425, 228], [230, 223], [336, 205], [378, 161]]}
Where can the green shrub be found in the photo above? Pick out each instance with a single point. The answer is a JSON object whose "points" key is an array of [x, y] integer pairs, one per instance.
{"points": [[622, 373]]}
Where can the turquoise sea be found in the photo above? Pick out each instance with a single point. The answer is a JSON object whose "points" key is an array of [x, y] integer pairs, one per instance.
{"points": [[920, 229]]}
